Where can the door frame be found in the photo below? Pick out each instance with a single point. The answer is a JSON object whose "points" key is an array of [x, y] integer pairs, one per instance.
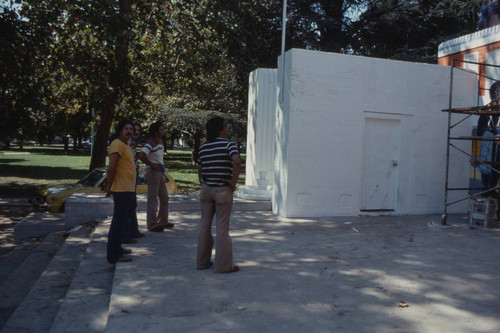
{"points": [[403, 176]]}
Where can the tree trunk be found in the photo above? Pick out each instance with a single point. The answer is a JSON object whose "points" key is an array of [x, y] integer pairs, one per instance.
{"points": [[118, 76], [101, 140], [65, 141], [196, 147]]}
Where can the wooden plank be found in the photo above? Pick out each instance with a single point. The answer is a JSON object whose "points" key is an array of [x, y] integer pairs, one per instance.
{"points": [[487, 109]]}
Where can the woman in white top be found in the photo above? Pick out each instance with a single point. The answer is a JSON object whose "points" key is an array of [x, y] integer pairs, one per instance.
{"points": [[152, 155]]}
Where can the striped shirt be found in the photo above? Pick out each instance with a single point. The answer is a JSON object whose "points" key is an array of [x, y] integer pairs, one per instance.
{"points": [[215, 160], [153, 151]]}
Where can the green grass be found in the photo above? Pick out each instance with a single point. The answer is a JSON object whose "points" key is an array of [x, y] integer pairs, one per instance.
{"points": [[185, 174], [24, 172]]}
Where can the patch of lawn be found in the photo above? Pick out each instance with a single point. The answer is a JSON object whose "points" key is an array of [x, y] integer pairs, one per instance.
{"points": [[24, 172], [180, 167]]}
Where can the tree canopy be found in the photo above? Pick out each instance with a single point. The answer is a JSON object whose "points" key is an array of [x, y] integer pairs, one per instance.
{"points": [[61, 59]]}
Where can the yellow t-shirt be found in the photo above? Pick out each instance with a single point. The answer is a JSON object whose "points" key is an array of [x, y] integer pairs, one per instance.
{"points": [[125, 171]]}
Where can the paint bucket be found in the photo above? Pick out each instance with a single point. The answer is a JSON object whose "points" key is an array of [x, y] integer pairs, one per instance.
{"points": [[484, 209]]}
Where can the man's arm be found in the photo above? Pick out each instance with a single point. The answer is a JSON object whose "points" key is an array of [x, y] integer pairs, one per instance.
{"points": [[236, 170], [145, 160], [113, 163]]}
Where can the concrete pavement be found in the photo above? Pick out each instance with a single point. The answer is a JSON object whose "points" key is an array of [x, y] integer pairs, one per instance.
{"points": [[338, 274], [345, 274]]}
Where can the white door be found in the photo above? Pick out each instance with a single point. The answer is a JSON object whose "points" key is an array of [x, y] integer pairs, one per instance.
{"points": [[381, 152]]}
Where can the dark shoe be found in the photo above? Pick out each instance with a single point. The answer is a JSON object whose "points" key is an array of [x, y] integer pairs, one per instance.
{"points": [[140, 235], [157, 229], [168, 225], [131, 241], [124, 259], [211, 264], [234, 270], [126, 251]]}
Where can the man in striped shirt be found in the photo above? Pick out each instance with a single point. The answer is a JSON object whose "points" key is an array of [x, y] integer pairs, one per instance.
{"points": [[219, 167]]}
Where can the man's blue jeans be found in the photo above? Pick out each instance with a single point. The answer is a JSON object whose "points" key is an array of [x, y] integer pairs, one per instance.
{"points": [[123, 203], [130, 229]]}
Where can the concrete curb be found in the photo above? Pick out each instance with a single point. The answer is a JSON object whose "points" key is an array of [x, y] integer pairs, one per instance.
{"points": [[85, 307], [38, 224], [21, 279], [83, 207], [38, 309]]}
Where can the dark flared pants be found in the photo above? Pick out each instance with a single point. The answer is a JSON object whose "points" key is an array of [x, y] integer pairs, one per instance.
{"points": [[123, 203], [130, 229]]}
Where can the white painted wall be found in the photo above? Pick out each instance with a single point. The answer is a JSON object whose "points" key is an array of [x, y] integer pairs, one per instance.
{"points": [[320, 139], [492, 57], [261, 126]]}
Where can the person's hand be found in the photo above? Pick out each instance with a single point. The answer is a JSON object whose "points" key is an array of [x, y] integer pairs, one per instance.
{"points": [[230, 183], [107, 191]]}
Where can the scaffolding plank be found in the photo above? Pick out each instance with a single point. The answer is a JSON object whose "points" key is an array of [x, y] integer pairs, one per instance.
{"points": [[478, 138], [478, 110]]}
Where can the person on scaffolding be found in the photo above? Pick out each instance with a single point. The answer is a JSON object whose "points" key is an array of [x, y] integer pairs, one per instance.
{"points": [[490, 15], [488, 127]]}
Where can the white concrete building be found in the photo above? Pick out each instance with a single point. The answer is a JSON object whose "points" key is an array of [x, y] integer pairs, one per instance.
{"points": [[261, 130], [355, 135]]}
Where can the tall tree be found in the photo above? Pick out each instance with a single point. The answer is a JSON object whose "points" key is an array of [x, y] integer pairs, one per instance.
{"points": [[321, 24], [412, 30], [21, 85], [124, 58], [118, 76], [207, 49]]}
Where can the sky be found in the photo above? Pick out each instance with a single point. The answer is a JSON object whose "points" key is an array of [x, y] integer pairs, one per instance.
{"points": [[8, 3]]}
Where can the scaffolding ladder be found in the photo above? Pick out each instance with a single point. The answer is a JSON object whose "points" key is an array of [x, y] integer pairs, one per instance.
{"points": [[467, 112]]}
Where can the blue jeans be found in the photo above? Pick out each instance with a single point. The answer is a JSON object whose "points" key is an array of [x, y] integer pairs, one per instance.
{"points": [[123, 203], [130, 229]]}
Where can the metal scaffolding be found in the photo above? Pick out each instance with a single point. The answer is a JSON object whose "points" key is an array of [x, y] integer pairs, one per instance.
{"points": [[467, 112]]}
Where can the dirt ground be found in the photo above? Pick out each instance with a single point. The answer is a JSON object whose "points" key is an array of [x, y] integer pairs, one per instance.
{"points": [[9, 216]]}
